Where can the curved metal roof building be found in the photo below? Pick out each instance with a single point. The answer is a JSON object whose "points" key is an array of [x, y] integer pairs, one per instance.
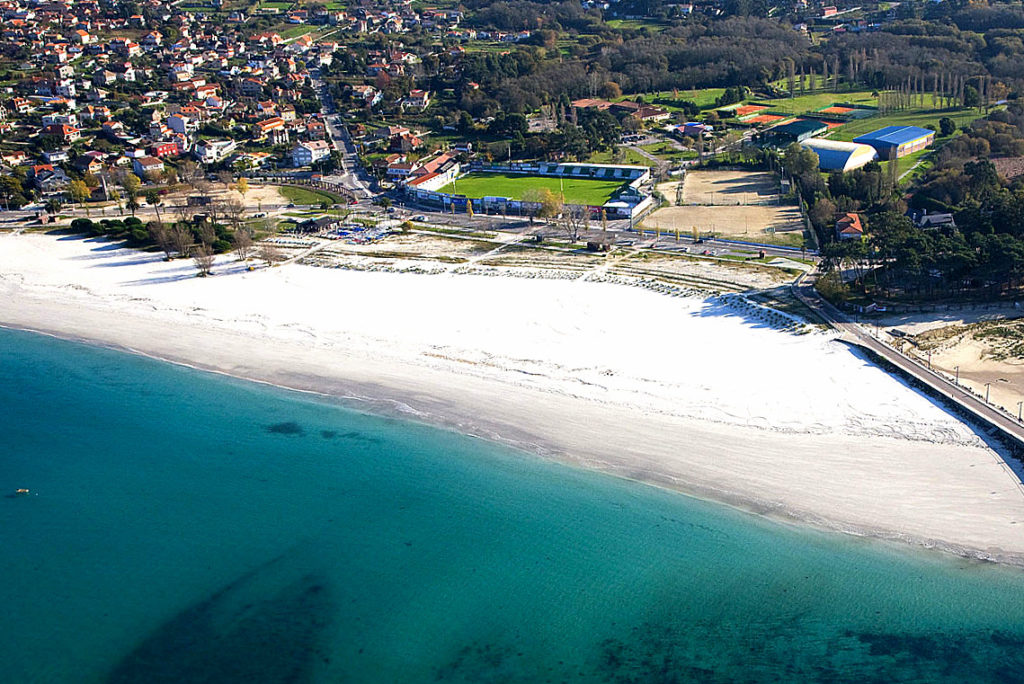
{"points": [[840, 156]]}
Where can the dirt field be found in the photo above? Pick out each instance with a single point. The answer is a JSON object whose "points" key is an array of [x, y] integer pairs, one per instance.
{"points": [[256, 196], [726, 188], [733, 204], [746, 222]]}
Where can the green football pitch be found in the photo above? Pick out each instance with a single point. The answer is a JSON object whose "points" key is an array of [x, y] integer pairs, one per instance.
{"points": [[576, 190]]}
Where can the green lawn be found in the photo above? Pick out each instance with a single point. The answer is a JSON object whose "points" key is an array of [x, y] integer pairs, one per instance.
{"points": [[704, 98], [630, 157], [576, 190], [801, 104], [667, 152], [307, 196], [289, 31], [652, 24]]}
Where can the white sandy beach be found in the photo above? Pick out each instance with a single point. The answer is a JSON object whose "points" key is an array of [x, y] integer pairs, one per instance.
{"points": [[679, 392]]}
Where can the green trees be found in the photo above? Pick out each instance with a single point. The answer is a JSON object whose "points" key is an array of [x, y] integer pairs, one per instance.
{"points": [[153, 200], [12, 192], [131, 184], [732, 95], [947, 126], [79, 193], [798, 161], [550, 203]]}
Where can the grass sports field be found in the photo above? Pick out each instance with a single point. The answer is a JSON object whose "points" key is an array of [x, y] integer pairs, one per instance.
{"points": [[577, 190]]}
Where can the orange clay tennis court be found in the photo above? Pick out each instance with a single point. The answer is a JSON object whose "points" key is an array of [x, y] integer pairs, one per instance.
{"points": [[764, 119], [749, 109], [836, 110]]}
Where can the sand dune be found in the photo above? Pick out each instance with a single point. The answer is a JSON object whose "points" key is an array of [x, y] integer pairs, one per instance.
{"points": [[686, 393]]}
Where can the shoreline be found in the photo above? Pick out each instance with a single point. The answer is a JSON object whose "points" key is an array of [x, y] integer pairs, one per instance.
{"points": [[945, 495], [396, 408]]}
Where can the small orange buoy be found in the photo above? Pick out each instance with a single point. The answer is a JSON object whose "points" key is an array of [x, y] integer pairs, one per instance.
{"points": [[21, 491]]}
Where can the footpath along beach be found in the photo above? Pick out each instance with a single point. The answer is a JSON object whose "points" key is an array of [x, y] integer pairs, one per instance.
{"points": [[687, 393]]}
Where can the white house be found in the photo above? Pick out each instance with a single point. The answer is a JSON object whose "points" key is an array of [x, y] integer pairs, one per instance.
{"points": [[212, 151], [144, 166], [305, 153], [181, 124]]}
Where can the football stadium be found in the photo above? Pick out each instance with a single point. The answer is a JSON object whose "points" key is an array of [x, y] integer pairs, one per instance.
{"points": [[619, 190], [588, 191]]}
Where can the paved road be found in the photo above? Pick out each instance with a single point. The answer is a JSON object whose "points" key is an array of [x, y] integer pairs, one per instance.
{"points": [[350, 175], [992, 415]]}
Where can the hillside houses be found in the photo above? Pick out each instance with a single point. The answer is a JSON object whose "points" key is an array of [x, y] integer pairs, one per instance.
{"points": [[111, 90]]}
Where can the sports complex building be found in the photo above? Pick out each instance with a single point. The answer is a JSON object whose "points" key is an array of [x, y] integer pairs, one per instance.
{"points": [[834, 155], [509, 188], [893, 142]]}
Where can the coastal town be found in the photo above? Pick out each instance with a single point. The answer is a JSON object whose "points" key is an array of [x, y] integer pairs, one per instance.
{"points": [[401, 136], [524, 340]]}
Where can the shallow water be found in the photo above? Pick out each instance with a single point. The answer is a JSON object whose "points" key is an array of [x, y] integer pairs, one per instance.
{"points": [[187, 527]]}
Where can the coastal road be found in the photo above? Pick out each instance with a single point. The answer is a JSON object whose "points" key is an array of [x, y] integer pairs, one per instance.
{"points": [[805, 292]]}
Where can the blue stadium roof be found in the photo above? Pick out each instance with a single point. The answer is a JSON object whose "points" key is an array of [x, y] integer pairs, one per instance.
{"points": [[893, 135]]}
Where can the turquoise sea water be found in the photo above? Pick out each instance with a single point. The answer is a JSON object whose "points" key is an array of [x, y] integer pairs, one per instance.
{"points": [[184, 527]]}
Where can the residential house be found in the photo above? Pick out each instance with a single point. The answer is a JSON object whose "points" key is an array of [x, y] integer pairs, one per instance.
{"points": [[145, 167], [278, 136], [163, 149], [848, 227], [316, 129], [55, 156], [306, 153], [925, 220], [58, 118], [104, 77], [66, 133], [182, 124], [48, 179], [367, 94], [90, 162], [251, 87], [213, 151], [261, 129], [417, 99], [406, 142]]}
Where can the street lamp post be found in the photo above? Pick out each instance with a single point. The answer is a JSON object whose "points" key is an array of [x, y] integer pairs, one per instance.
{"points": [[988, 387], [957, 380], [1020, 407]]}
